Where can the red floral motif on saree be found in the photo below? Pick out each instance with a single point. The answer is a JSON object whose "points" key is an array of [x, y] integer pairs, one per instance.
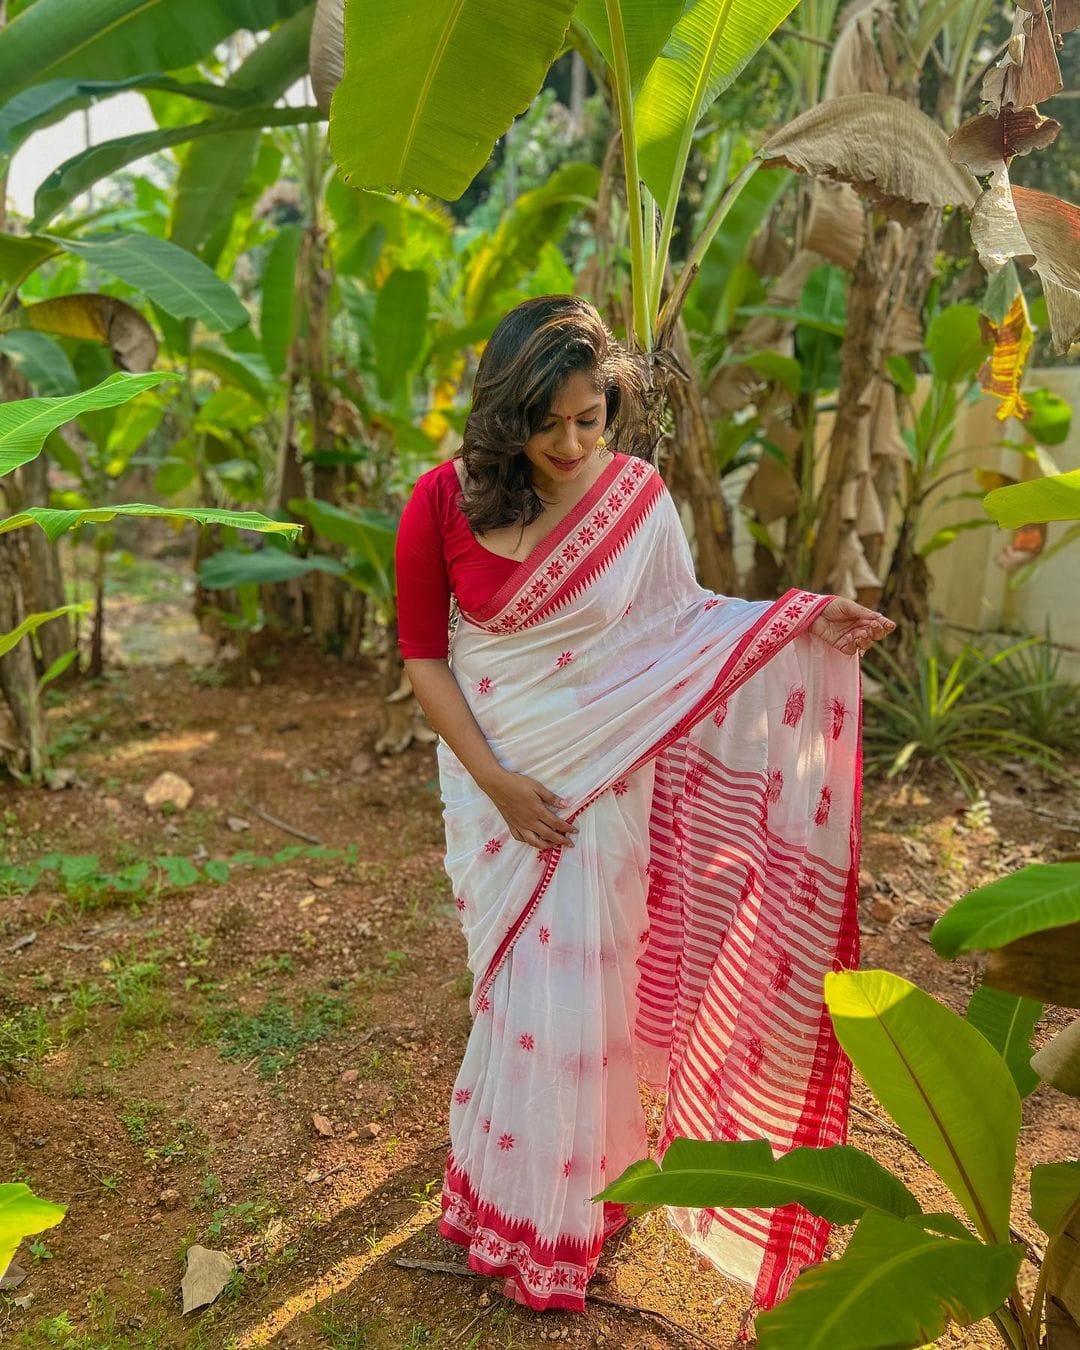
{"points": [[794, 707]]}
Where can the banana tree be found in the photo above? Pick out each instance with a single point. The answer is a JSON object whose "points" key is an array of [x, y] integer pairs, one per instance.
{"points": [[666, 63], [24, 426]]}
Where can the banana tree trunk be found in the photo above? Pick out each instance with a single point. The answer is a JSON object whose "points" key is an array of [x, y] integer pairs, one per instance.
{"points": [[863, 347], [43, 583], [18, 678], [695, 481]]}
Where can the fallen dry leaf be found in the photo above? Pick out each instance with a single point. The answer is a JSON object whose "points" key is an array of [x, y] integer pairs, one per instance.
{"points": [[207, 1274]]}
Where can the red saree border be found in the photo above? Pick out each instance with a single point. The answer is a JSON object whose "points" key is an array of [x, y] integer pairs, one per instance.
{"points": [[581, 546], [557, 1269], [789, 616]]}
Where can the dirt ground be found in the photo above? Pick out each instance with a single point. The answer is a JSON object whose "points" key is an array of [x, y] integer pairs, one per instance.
{"points": [[264, 1064]]}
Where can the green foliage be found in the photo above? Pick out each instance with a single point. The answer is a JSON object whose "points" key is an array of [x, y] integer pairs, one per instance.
{"points": [[1040, 896], [940, 1080], [1007, 1021], [76, 175], [181, 284], [708, 47], [44, 104], [56, 522], [944, 710], [212, 177], [1054, 498], [42, 361], [399, 328], [235, 567], [839, 1184], [368, 535], [26, 423], [33, 623], [1042, 704], [278, 318], [117, 39], [416, 109], [82, 878], [896, 1285], [276, 1034]]}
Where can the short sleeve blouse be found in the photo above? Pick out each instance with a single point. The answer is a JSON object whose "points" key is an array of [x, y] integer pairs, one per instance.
{"points": [[437, 555]]}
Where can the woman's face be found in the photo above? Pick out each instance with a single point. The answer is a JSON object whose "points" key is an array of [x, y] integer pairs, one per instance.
{"points": [[564, 445]]}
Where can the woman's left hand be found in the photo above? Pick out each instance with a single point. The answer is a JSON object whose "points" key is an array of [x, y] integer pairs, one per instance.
{"points": [[849, 627]]}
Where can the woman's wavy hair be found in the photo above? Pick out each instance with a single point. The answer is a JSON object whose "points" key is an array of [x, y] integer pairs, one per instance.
{"points": [[529, 356]]}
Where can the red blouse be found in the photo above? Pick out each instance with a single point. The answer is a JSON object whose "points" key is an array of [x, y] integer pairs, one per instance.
{"points": [[437, 555]]}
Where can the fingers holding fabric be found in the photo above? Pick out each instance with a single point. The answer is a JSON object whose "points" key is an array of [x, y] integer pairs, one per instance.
{"points": [[526, 806]]}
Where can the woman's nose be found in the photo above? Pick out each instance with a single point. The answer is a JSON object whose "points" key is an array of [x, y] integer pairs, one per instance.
{"points": [[568, 435]]}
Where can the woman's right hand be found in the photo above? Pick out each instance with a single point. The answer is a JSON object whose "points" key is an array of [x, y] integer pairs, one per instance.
{"points": [[527, 807]]}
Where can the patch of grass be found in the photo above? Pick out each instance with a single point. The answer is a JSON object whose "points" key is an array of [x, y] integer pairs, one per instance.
{"points": [[26, 1038], [87, 883], [136, 987], [275, 1034], [139, 1120]]}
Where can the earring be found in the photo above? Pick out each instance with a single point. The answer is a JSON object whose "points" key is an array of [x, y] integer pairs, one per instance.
{"points": [[600, 443]]}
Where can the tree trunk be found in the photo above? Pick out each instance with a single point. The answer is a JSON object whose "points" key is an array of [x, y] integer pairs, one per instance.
{"points": [[694, 479], [868, 307], [18, 678], [43, 584]]}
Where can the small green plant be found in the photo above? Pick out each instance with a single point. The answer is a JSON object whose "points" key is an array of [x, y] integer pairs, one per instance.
{"points": [[274, 1035], [26, 1038], [942, 710], [1043, 706]]}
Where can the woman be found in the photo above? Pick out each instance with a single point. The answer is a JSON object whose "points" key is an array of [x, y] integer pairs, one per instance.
{"points": [[651, 804]]}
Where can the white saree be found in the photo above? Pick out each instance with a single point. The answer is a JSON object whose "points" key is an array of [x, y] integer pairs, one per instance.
{"points": [[708, 752]]}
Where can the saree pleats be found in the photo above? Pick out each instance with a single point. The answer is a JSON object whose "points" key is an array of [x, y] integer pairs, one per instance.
{"points": [[708, 753]]}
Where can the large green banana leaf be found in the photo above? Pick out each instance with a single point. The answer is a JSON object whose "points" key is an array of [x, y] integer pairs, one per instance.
{"points": [[399, 327], [56, 522], [1040, 896], [369, 536], [1055, 1188], [43, 104], [421, 104], [1007, 1021], [181, 284], [895, 1286], [277, 320], [215, 168], [116, 39], [839, 1184], [1053, 498], [72, 178], [26, 423], [22, 1213], [235, 567], [646, 26], [708, 47], [940, 1080]]}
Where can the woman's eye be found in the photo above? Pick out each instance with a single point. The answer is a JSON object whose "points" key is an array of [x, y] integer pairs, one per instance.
{"points": [[591, 422]]}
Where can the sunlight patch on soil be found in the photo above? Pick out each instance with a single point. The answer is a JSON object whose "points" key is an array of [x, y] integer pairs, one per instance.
{"points": [[182, 744], [338, 1278]]}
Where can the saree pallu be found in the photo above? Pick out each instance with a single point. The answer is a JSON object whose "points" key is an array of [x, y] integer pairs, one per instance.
{"points": [[708, 753]]}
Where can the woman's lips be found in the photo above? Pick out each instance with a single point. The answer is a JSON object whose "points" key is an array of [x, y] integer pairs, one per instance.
{"points": [[565, 464]]}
